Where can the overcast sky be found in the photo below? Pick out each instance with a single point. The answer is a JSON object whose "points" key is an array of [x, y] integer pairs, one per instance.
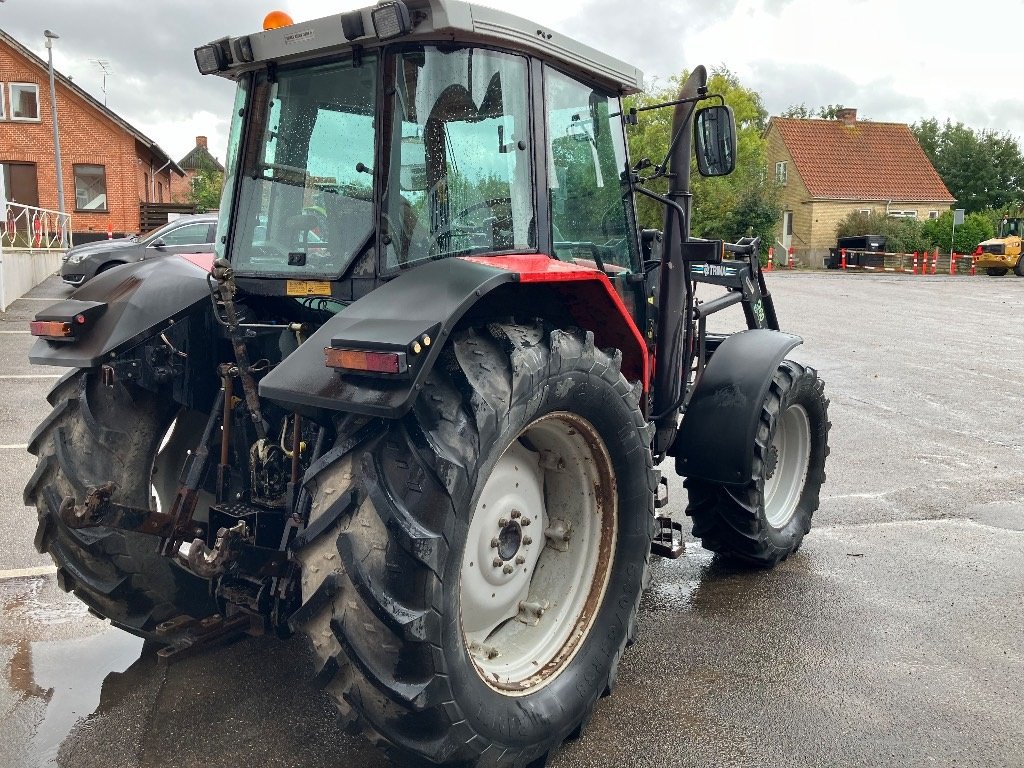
{"points": [[893, 61]]}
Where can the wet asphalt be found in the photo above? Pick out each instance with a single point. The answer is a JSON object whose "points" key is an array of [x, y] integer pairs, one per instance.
{"points": [[895, 637]]}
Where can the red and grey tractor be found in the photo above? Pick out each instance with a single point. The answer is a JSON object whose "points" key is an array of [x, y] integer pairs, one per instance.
{"points": [[415, 404]]}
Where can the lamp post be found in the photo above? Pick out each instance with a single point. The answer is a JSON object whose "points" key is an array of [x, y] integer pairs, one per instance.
{"points": [[50, 37]]}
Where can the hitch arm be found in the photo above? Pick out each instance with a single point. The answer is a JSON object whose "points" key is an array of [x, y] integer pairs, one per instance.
{"points": [[98, 510]]}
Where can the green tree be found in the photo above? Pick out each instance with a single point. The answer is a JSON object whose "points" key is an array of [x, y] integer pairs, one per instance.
{"points": [[744, 203], [981, 169], [206, 188], [802, 111]]}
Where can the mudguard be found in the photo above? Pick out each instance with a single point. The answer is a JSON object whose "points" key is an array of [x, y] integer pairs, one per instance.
{"points": [[429, 301], [716, 439], [140, 298]]}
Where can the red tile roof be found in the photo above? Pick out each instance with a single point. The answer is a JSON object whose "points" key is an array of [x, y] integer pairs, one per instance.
{"points": [[860, 161]]}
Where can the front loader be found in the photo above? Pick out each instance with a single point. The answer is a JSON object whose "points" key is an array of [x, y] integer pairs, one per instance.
{"points": [[415, 404]]}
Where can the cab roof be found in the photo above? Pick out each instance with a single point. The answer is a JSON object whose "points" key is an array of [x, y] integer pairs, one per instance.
{"points": [[430, 20]]}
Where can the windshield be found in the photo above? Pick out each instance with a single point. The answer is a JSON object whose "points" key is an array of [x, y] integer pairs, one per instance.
{"points": [[460, 175], [305, 199]]}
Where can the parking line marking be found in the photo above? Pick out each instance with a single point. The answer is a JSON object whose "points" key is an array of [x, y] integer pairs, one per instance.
{"points": [[27, 573], [41, 298], [31, 376], [14, 447], [11, 333]]}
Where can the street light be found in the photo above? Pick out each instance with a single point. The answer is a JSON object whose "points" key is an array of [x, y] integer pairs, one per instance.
{"points": [[50, 37]]}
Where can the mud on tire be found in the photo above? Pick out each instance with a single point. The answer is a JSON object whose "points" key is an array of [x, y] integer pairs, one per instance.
{"points": [[764, 521], [95, 434], [388, 582]]}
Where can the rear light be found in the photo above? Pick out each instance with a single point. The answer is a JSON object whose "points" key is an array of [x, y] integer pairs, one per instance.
{"points": [[359, 360], [51, 329]]}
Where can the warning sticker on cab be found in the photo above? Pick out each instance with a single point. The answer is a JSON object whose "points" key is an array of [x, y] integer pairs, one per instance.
{"points": [[308, 288]]}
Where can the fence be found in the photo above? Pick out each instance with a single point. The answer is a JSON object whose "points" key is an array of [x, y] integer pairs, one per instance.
{"points": [[31, 243], [925, 263]]}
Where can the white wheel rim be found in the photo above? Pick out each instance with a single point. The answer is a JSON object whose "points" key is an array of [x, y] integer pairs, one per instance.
{"points": [[525, 604], [791, 447]]}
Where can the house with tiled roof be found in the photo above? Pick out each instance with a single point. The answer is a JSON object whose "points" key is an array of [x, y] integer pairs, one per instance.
{"points": [[109, 167], [198, 159], [828, 169]]}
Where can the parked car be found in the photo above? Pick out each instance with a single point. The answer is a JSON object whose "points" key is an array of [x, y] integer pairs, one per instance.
{"points": [[187, 234]]}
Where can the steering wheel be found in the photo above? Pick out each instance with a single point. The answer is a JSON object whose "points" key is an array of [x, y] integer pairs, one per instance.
{"points": [[455, 223]]}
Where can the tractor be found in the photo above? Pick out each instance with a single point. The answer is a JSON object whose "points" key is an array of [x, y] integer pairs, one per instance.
{"points": [[999, 254], [415, 404]]}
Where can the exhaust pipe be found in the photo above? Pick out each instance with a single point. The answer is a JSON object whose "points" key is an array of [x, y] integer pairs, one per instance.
{"points": [[673, 303]]}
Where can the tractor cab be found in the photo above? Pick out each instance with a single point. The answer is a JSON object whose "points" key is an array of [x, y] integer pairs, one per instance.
{"points": [[369, 144]]}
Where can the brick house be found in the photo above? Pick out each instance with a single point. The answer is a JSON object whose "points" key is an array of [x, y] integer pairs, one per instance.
{"points": [[198, 159], [831, 168], [109, 167]]}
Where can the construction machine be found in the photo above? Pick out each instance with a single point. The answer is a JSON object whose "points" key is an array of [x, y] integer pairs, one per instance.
{"points": [[417, 404], [998, 255]]}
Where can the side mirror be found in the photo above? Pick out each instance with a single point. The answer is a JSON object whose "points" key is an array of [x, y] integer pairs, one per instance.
{"points": [[158, 243], [715, 140]]}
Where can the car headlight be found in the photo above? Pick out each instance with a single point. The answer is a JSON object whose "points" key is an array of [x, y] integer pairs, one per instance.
{"points": [[75, 258]]}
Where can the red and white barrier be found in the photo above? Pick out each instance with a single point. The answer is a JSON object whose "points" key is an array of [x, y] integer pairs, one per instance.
{"points": [[792, 263], [843, 252]]}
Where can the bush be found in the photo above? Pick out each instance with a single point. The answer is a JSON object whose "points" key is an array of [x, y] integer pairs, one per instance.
{"points": [[901, 235], [976, 227]]}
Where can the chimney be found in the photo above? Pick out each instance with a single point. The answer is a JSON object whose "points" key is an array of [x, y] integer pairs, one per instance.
{"points": [[848, 116], [201, 140]]}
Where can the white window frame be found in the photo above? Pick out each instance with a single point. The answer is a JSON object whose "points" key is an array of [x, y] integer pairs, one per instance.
{"points": [[908, 214], [3, 102], [782, 171], [10, 101], [865, 211], [933, 214]]}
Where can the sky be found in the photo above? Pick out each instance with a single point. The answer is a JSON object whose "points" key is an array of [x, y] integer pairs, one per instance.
{"points": [[894, 61]]}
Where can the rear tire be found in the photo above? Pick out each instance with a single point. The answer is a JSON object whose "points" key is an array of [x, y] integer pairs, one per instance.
{"points": [[93, 435], [996, 271], [423, 641], [764, 521], [1019, 269]]}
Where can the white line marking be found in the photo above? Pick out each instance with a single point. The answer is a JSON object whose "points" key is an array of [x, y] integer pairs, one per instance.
{"points": [[43, 298], [14, 446], [31, 376], [27, 573], [12, 333]]}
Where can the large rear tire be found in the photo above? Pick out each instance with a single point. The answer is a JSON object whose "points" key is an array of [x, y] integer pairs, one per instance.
{"points": [[1018, 270], [764, 521], [93, 435], [470, 602], [996, 271]]}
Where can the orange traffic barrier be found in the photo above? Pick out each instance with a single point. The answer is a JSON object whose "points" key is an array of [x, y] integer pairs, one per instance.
{"points": [[915, 263], [843, 252], [792, 264]]}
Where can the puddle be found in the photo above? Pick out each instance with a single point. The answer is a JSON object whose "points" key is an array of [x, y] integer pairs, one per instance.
{"points": [[56, 656]]}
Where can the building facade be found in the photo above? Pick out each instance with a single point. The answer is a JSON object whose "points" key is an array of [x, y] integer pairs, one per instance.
{"points": [[828, 169], [109, 167]]}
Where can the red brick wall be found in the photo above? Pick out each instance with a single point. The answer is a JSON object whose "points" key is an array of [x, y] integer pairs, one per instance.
{"points": [[86, 136]]}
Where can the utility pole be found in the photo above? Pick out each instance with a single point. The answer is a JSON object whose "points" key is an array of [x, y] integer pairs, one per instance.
{"points": [[50, 37]]}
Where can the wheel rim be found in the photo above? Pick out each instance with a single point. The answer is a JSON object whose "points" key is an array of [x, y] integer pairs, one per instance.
{"points": [[538, 554], [790, 454]]}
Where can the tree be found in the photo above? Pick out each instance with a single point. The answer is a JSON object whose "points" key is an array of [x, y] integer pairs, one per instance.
{"points": [[980, 169], [744, 203], [802, 111], [206, 189]]}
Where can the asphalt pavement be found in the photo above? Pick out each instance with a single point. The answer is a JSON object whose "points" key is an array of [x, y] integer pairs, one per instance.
{"points": [[894, 637]]}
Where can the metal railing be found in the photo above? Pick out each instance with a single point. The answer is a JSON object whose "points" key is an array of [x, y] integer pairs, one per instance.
{"points": [[28, 227]]}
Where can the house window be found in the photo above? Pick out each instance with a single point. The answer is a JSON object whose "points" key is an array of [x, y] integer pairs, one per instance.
{"points": [[3, 112], [865, 211], [933, 214], [159, 191], [902, 214], [90, 188], [24, 101], [781, 172]]}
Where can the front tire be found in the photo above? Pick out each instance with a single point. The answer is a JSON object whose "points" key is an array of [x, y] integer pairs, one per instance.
{"points": [[764, 521], [996, 271], [1018, 270], [526, 447]]}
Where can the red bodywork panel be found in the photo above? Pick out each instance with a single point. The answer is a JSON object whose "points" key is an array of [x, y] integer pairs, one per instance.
{"points": [[589, 296], [201, 260]]}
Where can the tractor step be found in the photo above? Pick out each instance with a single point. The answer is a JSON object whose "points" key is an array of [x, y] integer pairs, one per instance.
{"points": [[187, 636], [668, 541]]}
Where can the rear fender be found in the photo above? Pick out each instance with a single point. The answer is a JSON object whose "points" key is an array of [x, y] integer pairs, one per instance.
{"points": [[716, 439], [430, 300], [140, 299]]}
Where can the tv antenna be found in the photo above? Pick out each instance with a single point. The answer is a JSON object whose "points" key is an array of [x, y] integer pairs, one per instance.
{"points": [[104, 66]]}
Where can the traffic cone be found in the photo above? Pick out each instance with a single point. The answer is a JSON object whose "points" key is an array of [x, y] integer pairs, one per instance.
{"points": [[771, 257], [935, 260], [915, 263], [843, 252], [952, 263], [791, 262]]}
